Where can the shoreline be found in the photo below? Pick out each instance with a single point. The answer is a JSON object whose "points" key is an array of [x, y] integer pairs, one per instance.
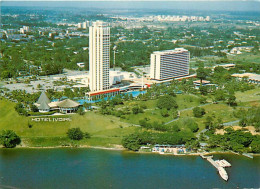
{"points": [[122, 149]]}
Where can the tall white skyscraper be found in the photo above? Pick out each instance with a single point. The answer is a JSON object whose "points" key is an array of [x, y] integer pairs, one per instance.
{"points": [[99, 42], [169, 64]]}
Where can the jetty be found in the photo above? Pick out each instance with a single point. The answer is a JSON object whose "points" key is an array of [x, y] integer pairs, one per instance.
{"points": [[248, 155], [219, 165]]}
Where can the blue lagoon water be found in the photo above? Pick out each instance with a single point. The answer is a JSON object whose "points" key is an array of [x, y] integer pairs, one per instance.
{"points": [[91, 168]]}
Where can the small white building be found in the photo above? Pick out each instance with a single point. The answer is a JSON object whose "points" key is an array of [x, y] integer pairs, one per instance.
{"points": [[81, 64]]}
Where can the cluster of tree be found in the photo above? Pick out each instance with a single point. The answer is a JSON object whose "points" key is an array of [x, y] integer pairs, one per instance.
{"points": [[23, 96], [249, 117], [77, 134], [212, 123], [189, 123], [198, 112], [238, 141], [134, 141], [158, 126], [75, 92], [167, 102], [108, 106], [227, 84], [9, 139], [20, 109], [40, 57]]}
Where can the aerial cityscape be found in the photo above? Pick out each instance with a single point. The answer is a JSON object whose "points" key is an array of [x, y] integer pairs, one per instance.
{"points": [[129, 94]]}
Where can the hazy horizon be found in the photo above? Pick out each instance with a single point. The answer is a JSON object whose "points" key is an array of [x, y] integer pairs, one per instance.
{"points": [[157, 5]]}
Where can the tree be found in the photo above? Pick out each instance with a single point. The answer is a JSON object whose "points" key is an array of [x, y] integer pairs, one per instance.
{"points": [[87, 105], [167, 102], [75, 134], [208, 122], [20, 109], [231, 100], [9, 139], [164, 112], [193, 144], [131, 142], [81, 111], [220, 95], [202, 73], [190, 123], [33, 108], [198, 111], [203, 90], [87, 135], [137, 109], [255, 145]]}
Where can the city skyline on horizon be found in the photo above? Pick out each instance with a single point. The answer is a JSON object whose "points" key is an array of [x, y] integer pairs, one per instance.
{"points": [[138, 0], [188, 5]]}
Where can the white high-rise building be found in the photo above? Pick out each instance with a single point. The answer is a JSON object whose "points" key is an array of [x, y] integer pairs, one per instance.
{"points": [[85, 24], [169, 64], [79, 25], [99, 46]]}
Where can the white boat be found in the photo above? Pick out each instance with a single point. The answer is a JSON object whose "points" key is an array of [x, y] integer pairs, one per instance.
{"points": [[225, 163], [222, 172]]}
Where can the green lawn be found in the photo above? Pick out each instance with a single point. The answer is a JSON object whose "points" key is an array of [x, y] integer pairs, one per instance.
{"points": [[103, 129], [220, 110], [246, 57], [152, 113], [251, 95], [108, 131]]}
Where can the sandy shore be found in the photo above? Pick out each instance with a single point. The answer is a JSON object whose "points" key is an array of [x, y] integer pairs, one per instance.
{"points": [[121, 148]]}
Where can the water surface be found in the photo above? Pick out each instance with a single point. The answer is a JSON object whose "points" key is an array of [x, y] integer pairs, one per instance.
{"points": [[91, 168]]}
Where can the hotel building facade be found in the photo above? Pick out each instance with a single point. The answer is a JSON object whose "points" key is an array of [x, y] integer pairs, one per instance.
{"points": [[169, 64], [99, 47]]}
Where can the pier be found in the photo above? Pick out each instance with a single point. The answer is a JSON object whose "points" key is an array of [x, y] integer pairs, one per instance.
{"points": [[219, 165], [248, 155]]}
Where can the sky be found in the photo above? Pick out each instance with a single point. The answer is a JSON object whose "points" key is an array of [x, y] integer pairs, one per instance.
{"points": [[139, 0], [203, 5]]}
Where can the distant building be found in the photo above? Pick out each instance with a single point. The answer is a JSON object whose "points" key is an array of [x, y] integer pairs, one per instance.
{"points": [[199, 83], [81, 64], [79, 25], [24, 29], [250, 77], [85, 24], [226, 66], [99, 54], [169, 64]]}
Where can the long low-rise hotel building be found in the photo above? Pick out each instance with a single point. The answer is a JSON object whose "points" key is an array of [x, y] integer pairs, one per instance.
{"points": [[169, 64]]}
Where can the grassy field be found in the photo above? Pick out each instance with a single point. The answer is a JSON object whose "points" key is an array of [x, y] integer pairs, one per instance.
{"points": [[224, 111], [251, 95], [152, 113], [215, 110], [103, 129], [246, 57], [107, 131]]}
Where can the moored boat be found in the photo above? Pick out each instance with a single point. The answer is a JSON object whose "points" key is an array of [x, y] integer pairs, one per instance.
{"points": [[222, 172]]}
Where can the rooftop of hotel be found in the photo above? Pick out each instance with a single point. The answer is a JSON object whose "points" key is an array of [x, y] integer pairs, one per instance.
{"points": [[100, 23], [103, 92], [176, 50]]}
